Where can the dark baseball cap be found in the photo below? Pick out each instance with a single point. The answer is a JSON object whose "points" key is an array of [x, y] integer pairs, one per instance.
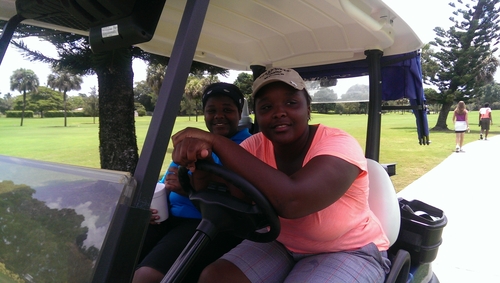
{"points": [[226, 89]]}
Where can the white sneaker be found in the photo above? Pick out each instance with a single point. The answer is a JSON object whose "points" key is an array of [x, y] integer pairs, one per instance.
{"points": [[457, 148]]}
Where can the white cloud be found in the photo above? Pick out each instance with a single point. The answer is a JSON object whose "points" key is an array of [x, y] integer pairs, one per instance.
{"points": [[95, 235]]}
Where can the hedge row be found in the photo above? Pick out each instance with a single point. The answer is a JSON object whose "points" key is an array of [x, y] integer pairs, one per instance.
{"points": [[47, 114], [52, 114], [18, 114]]}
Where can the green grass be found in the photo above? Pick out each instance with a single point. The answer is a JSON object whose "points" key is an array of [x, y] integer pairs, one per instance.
{"points": [[46, 139]]}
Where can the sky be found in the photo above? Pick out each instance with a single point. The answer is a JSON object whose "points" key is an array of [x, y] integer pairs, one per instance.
{"points": [[418, 14]]}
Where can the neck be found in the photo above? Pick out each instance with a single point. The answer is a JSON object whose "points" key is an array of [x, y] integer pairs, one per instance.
{"points": [[290, 158]]}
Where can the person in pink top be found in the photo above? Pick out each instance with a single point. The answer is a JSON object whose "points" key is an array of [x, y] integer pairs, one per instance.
{"points": [[485, 120], [315, 177], [461, 121]]}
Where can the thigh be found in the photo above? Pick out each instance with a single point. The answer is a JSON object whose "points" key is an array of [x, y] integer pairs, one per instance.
{"points": [[166, 251], [222, 244], [364, 265], [153, 235], [261, 262], [485, 124]]}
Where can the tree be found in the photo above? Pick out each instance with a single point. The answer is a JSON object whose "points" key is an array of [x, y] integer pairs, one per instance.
{"points": [[117, 137], [64, 82], [357, 92], [465, 57], [155, 74], [44, 99], [244, 82], [76, 101], [328, 97], [144, 94], [6, 102], [188, 106], [489, 93], [24, 80], [91, 105], [193, 90]]}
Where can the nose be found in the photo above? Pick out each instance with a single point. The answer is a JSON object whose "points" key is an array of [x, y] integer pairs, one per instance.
{"points": [[279, 111], [219, 114]]}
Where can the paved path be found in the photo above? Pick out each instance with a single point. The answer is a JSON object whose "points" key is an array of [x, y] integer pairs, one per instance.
{"points": [[471, 241]]}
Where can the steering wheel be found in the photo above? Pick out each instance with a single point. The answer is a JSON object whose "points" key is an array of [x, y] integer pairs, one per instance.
{"points": [[227, 212]]}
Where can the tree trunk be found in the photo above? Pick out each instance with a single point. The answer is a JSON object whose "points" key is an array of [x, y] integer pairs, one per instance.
{"points": [[443, 116], [24, 107], [64, 99], [118, 142]]}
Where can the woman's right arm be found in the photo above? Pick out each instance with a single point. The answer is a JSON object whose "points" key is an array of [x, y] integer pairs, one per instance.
{"points": [[293, 196]]}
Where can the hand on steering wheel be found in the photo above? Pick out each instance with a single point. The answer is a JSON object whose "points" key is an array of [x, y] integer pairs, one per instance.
{"points": [[246, 217]]}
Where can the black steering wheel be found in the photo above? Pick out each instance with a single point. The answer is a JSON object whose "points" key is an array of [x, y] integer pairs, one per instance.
{"points": [[229, 213]]}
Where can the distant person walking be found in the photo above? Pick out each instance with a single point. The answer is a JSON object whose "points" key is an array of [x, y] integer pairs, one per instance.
{"points": [[485, 120], [461, 121]]}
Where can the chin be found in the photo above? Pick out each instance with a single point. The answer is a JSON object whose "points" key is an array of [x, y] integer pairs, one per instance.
{"points": [[221, 132]]}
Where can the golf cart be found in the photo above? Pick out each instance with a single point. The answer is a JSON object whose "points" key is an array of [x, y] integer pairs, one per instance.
{"points": [[322, 40]]}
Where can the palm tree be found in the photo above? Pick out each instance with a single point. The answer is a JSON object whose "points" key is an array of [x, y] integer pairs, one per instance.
{"points": [[92, 104], [24, 80], [64, 82], [154, 76], [194, 91], [117, 139]]}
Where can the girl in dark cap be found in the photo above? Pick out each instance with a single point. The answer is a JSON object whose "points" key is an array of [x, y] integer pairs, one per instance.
{"points": [[222, 107]]}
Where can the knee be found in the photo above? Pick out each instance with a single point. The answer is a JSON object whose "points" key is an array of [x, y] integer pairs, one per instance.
{"points": [[209, 274], [147, 275], [221, 271]]}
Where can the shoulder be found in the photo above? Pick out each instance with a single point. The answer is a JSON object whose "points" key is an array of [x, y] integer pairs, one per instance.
{"points": [[332, 135], [240, 136], [338, 143], [252, 142]]}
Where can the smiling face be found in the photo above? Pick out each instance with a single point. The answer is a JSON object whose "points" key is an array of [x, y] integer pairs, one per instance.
{"points": [[222, 115], [282, 113]]}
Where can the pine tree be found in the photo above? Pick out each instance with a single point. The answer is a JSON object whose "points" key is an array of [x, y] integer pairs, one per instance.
{"points": [[465, 58]]}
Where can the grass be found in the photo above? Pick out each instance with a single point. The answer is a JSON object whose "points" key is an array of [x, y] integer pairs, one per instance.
{"points": [[46, 139]]}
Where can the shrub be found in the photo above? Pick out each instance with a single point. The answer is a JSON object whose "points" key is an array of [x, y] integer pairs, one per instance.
{"points": [[53, 114], [79, 114], [18, 114], [141, 112]]}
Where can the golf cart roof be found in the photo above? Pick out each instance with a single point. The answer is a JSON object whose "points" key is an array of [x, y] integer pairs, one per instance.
{"points": [[238, 34]]}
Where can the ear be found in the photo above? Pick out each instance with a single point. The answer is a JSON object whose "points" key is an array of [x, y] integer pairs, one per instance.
{"points": [[308, 112]]}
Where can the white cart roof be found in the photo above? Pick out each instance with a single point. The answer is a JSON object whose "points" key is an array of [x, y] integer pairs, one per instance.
{"points": [[285, 33]]}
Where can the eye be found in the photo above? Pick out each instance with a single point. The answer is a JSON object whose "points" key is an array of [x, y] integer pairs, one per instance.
{"points": [[265, 107]]}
